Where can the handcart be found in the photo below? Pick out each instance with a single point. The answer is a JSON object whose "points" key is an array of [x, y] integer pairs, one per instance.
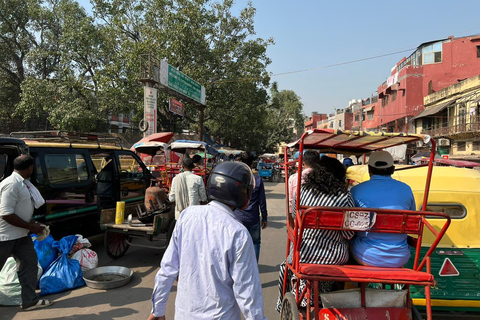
{"points": [[362, 302], [119, 237]]}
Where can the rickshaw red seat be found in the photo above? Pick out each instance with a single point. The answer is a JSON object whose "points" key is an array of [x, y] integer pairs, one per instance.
{"points": [[370, 274]]}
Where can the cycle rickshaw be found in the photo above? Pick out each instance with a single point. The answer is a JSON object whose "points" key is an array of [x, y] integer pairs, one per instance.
{"points": [[362, 302]]}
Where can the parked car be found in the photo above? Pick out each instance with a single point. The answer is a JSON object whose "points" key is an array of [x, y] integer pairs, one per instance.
{"points": [[67, 173]]}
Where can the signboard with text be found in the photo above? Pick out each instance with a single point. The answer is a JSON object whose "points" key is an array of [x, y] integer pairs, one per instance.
{"points": [[179, 82], [176, 107], [150, 109]]}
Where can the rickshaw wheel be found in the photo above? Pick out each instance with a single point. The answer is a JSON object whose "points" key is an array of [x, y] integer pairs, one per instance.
{"points": [[115, 244], [289, 308]]}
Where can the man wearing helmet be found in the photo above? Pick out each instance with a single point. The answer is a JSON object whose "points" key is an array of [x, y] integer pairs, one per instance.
{"points": [[212, 255]]}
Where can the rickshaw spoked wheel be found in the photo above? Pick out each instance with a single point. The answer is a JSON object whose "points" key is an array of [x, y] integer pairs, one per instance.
{"points": [[115, 244], [289, 308]]}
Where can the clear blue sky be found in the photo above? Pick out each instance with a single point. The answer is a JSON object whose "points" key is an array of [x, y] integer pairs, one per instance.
{"points": [[311, 34]]}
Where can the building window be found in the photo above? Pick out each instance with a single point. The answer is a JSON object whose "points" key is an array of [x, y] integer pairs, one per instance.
{"points": [[461, 146], [432, 53], [357, 118], [476, 145], [478, 51], [394, 95], [370, 115], [339, 124]]}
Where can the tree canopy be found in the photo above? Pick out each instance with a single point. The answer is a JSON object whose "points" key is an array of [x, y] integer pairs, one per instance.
{"points": [[64, 68]]}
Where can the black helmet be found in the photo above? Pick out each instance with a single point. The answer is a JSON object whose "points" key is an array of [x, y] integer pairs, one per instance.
{"points": [[231, 183]]}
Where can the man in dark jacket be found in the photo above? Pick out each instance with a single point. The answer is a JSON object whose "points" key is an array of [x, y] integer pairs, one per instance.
{"points": [[250, 217]]}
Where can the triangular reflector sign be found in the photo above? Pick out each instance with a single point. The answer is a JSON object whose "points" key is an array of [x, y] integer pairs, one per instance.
{"points": [[448, 269]]}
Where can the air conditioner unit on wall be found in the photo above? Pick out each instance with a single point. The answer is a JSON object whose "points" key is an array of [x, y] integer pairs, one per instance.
{"points": [[443, 142]]}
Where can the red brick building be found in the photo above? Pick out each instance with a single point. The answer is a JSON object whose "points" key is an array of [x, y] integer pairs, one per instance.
{"points": [[312, 122], [434, 66]]}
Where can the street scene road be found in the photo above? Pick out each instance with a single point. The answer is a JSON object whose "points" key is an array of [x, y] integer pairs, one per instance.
{"points": [[132, 301]]}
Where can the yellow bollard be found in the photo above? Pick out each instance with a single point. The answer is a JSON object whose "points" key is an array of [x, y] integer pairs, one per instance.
{"points": [[120, 214]]}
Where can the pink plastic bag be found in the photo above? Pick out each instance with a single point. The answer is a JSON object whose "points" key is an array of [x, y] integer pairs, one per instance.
{"points": [[88, 259]]}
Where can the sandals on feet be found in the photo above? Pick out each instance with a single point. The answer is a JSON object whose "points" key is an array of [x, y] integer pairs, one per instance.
{"points": [[42, 303]]}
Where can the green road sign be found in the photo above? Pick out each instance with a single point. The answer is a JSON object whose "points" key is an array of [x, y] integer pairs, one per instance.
{"points": [[179, 82]]}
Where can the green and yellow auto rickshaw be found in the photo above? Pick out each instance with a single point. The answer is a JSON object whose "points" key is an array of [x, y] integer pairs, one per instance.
{"points": [[456, 260]]}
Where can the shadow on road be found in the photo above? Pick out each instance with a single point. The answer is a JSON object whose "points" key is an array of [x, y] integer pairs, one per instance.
{"points": [[270, 284], [275, 196], [111, 314], [262, 268]]}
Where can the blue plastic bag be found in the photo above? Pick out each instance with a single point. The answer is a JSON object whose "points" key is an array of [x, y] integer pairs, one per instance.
{"points": [[64, 273], [45, 252]]}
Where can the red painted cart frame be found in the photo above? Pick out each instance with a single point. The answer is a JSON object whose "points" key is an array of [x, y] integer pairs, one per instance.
{"points": [[388, 221]]}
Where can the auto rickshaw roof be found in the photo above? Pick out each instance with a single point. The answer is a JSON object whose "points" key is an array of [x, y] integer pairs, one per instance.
{"points": [[353, 142], [150, 147], [188, 144]]}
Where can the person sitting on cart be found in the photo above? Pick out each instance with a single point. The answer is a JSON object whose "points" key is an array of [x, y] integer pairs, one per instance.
{"points": [[324, 186], [382, 191], [310, 157], [187, 189], [211, 255]]}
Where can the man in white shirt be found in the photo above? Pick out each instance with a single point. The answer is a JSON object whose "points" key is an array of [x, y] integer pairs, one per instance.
{"points": [[16, 210], [212, 255], [187, 189]]}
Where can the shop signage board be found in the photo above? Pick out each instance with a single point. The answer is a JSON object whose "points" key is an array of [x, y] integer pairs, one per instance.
{"points": [[176, 107], [177, 81], [150, 109]]}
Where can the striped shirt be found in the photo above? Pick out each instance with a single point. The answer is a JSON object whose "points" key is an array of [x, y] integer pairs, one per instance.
{"points": [[324, 246]]}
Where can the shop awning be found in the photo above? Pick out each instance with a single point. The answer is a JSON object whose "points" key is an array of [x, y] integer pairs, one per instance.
{"points": [[434, 110], [368, 108]]}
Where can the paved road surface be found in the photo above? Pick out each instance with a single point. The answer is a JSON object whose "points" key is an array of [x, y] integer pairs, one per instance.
{"points": [[132, 301]]}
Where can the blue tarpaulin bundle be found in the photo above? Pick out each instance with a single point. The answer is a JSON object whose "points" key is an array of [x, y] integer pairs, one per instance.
{"points": [[64, 273]]}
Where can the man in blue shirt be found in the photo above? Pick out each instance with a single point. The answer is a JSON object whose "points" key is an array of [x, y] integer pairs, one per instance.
{"points": [[382, 191], [250, 217]]}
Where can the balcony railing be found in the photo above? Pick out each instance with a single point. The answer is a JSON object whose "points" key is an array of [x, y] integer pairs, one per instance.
{"points": [[473, 126]]}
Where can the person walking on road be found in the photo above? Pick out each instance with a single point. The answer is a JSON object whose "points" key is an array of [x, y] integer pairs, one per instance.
{"points": [[18, 198], [212, 255], [187, 189], [250, 217]]}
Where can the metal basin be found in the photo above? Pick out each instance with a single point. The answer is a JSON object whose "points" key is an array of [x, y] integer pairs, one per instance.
{"points": [[107, 277]]}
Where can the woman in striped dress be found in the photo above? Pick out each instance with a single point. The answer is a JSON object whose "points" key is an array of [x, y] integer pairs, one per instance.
{"points": [[324, 186]]}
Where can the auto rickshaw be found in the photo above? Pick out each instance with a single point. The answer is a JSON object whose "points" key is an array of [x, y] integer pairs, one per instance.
{"points": [[456, 260], [362, 302], [155, 155]]}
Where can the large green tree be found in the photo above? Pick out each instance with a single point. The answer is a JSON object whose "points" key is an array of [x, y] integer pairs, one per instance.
{"points": [[64, 68], [285, 117], [207, 42]]}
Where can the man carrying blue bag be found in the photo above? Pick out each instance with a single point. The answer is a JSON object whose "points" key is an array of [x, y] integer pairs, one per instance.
{"points": [[18, 198]]}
